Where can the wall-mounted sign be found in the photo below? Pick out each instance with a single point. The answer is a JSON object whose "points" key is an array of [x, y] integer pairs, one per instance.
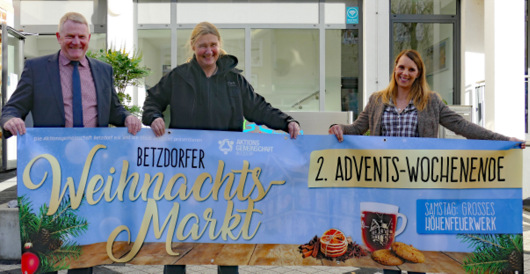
{"points": [[352, 15]]}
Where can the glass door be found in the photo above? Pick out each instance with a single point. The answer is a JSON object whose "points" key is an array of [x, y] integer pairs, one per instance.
{"points": [[434, 41], [12, 65], [344, 62], [432, 27]]}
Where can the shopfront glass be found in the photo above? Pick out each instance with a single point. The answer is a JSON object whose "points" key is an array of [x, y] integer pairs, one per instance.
{"points": [[432, 28], [155, 47], [284, 62], [12, 62], [285, 67], [344, 71], [46, 43], [424, 7], [434, 43], [278, 45]]}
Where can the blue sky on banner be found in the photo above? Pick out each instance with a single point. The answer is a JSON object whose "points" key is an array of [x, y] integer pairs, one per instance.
{"points": [[228, 187]]}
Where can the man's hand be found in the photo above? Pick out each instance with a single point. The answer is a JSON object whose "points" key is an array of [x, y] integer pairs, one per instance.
{"points": [[294, 129], [158, 126], [16, 126], [133, 124]]}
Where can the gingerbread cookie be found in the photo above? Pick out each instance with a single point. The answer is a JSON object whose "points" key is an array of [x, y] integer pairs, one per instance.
{"points": [[386, 257], [408, 252]]}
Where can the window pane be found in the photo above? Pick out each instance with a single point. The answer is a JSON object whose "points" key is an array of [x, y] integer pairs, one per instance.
{"points": [[43, 44], [251, 12], [154, 12], [50, 12], [342, 71], [155, 47], [423, 7], [435, 44], [285, 67]]}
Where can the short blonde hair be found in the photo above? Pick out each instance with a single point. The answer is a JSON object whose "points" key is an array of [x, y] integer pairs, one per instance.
{"points": [[75, 17]]}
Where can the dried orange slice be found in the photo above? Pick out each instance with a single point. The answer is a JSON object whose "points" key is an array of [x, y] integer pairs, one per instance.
{"points": [[333, 243]]}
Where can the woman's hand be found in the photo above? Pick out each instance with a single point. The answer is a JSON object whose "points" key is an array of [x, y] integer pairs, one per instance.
{"points": [[294, 129], [337, 131], [523, 142], [158, 126]]}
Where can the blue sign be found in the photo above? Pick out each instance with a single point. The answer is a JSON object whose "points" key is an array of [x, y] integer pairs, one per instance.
{"points": [[352, 15], [441, 216], [117, 196]]}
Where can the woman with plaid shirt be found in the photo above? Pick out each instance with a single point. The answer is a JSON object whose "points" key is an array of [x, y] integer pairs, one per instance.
{"points": [[408, 108]]}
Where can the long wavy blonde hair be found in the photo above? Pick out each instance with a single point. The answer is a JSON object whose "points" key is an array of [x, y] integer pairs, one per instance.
{"points": [[201, 29], [420, 90]]}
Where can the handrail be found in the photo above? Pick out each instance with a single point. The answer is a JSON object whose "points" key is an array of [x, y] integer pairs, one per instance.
{"points": [[299, 102]]}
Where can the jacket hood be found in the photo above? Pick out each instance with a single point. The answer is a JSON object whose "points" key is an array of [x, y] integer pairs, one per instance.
{"points": [[226, 63]]}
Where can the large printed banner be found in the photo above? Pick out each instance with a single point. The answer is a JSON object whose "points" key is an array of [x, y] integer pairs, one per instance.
{"points": [[101, 196]]}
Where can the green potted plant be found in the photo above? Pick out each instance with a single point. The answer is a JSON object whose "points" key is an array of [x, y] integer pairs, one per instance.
{"points": [[127, 72]]}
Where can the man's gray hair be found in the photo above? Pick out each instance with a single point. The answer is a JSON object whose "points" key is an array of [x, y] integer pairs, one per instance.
{"points": [[75, 17]]}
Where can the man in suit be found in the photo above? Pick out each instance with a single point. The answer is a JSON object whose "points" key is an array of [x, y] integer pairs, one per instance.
{"points": [[67, 89], [47, 90]]}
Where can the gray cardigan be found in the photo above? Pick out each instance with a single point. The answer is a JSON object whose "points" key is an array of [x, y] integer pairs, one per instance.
{"points": [[436, 112]]}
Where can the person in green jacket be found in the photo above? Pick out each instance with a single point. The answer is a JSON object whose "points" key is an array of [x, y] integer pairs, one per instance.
{"points": [[209, 93]]}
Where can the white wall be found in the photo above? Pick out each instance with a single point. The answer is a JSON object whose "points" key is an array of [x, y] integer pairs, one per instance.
{"points": [[121, 35], [504, 41], [120, 24], [375, 45], [491, 53], [504, 48], [472, 43]]}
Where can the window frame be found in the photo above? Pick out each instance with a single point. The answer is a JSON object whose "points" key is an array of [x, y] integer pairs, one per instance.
{"points": [[321, 27]]}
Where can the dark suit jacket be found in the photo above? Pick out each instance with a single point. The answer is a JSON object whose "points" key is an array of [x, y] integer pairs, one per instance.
{"points": [[39, 91]]}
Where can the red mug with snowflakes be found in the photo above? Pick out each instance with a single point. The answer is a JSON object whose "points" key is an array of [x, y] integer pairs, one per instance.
{"points": [[378, 224]]}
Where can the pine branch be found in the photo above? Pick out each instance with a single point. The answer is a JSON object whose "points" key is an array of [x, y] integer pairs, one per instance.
{"points": [[51, 234], [28, 220], [492, 252], [63, 207], [60, 258], [43, 217], [75, 230], [517, 243], [45, 265], [480, 239], [71, 225], [485, 260], [64, 222], [486, 267]]}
